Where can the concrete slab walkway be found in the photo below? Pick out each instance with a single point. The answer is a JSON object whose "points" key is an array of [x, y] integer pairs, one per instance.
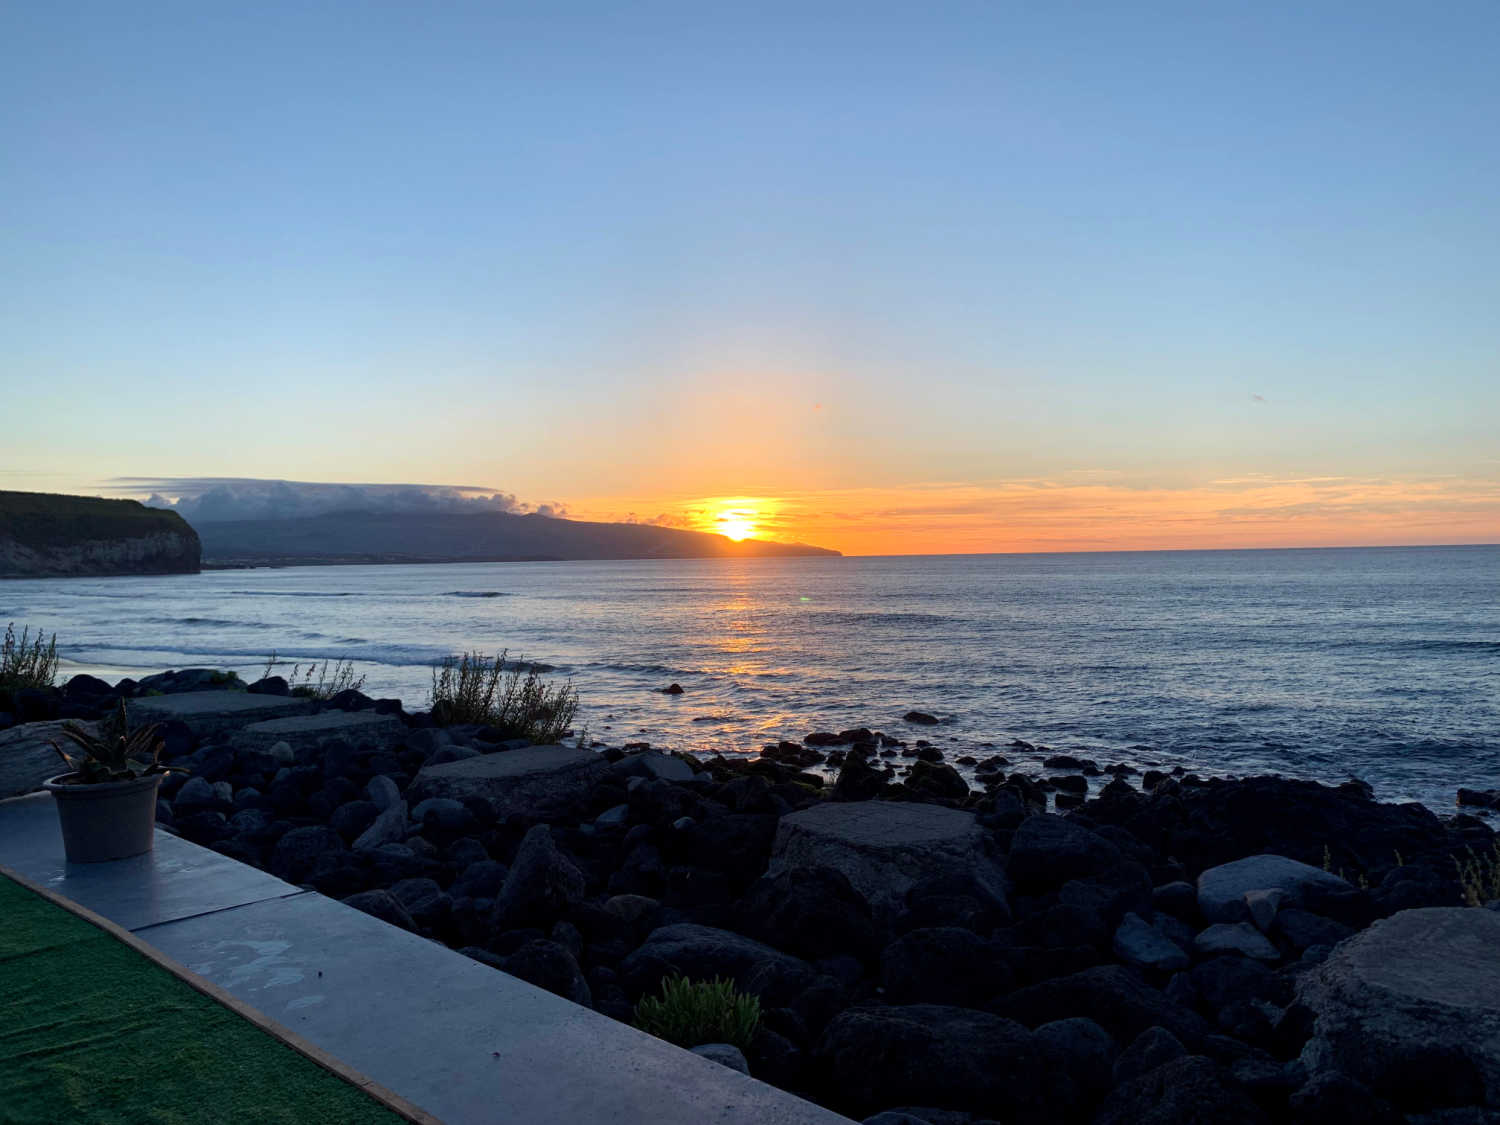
{"points": [[460, 1040]]}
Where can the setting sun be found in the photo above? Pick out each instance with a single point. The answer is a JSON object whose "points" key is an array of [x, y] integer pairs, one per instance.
{"points": [[736, 523]]}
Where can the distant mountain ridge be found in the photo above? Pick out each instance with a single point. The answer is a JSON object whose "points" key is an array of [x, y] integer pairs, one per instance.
{"points": [[383, 537], [46, 535]]}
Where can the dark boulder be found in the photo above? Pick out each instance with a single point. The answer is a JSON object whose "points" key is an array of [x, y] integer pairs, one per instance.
{"points": [[1085, 1052], [1154, 1047], [704, 952], [424, 900], [270, 685], [929, 781], [1188, 1091], [382, 905], [296, 853], [1112, 997], [352, 818], [549, 965], [661, 803], [858, 780], [929, 1054], [1301, 929], [1336, 1099], [920, 718], [1219, 821], [1047, 851], [957, 899], [942, 966], [350, 699], [481, 879], [738, 844], [84, 688], [541, 883], [811, 912]]}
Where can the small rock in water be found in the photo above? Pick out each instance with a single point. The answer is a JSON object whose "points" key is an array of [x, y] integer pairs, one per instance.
{"points": [[672, 689], [920, 718], [1480, 798]]}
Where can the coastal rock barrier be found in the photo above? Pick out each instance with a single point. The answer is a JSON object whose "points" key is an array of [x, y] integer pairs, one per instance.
{"points": [[923, 950]]}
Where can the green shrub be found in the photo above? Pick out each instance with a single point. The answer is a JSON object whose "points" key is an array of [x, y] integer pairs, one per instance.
{"points": [[474, 688], [691, 1013], [331, 679], [27, 663], [1479, 875]]}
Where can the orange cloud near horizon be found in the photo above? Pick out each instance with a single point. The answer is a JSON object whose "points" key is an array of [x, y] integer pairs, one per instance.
{"points": [[1094, 512]]}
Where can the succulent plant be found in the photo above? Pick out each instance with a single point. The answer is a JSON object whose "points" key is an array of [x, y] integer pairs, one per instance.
{"points": [[115, 754]]}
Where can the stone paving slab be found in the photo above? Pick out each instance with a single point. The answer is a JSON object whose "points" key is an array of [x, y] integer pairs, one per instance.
{"points": [[462, 1040], [209, 714], [354, 727], [458, 1038], [174, 880]]}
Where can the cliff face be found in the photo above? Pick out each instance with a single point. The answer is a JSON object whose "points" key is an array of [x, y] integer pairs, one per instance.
{"points": [[46, 536]]}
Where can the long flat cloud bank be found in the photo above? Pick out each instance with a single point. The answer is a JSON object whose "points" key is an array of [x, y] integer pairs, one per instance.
{"points": [[222, 499]]}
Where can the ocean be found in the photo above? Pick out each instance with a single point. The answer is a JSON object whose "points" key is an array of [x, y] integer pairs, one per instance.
{"points": [[1377, 663]]}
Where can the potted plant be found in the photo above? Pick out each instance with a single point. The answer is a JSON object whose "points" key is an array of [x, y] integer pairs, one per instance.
{"points": [[106, 803]]}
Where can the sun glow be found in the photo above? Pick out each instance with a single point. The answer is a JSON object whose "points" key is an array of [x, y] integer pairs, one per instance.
{"points": [[735, 523]]}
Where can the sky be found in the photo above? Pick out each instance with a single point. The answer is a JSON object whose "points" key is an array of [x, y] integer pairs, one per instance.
{"points": [[888, 278]]}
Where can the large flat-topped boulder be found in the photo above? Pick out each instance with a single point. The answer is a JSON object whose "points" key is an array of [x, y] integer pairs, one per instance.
{"points": [[884, 847], [514, 781], [1411, 1007], [358, 728], [209, 714], [27, 758]]}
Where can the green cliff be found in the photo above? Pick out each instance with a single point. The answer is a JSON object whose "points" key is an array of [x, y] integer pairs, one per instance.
{"points": [[43, 535]]}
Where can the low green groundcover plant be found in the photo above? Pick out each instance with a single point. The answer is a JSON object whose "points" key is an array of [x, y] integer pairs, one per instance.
{"points": [[691, 1013], [474, 688]]}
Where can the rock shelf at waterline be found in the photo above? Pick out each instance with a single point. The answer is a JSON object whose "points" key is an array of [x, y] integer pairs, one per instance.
{"points": [[964, 952]]}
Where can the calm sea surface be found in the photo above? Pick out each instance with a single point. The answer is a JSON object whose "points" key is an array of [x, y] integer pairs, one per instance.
{"points": [[1379, 663]]}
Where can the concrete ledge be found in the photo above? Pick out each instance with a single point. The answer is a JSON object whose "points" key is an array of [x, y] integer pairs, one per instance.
{"points": [[455, 1038], [354, 727], [176, 880], [209, 714]]}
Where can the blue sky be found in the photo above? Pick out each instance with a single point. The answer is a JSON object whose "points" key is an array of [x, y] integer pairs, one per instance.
{"points": [[622, 257]]}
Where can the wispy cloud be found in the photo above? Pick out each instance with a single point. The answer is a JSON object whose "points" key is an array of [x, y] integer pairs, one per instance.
{"points": [[219, 499]]}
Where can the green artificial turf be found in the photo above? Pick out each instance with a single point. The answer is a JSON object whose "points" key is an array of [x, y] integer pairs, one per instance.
{"points": [[92, 1031]]}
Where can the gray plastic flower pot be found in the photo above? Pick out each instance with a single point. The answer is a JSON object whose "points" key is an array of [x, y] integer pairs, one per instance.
{"points": [[105, 820]]}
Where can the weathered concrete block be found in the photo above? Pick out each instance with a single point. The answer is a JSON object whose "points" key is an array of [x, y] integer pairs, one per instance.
{"points": [[211, 714], [1411, 1008], [885, 847], [354, 727], [516, 780]]}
